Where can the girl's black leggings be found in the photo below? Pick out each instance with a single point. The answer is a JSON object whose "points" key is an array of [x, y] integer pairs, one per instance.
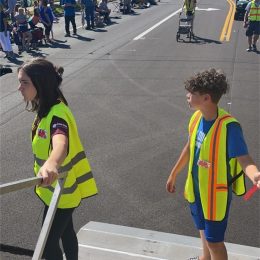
{"points": [[62, 228]]}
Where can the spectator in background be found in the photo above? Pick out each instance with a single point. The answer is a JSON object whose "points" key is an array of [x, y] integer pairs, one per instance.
{"points": [[90, 13], [36, 6], [11, 8], [105, 11], [35, 18], [252, 23], [25, 4], [47, 18], [69, 15], [22, 28], [5, 33]]}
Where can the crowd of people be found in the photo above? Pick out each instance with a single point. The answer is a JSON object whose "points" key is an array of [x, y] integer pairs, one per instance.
{"points": [[30, 27], [21, 26]]}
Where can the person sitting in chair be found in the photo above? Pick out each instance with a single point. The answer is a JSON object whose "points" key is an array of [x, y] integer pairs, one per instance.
{"points": [[104, 11]]}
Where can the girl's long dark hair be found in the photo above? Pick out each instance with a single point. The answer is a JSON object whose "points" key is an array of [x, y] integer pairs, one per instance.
{"points": [[47, 79]]}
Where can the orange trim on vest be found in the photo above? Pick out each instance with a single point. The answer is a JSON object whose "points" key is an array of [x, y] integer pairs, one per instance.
{"points": [[197, 117], [213, 157]]}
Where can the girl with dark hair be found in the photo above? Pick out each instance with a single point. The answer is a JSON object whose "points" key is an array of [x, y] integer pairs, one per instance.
{"points": [[57, 148]]}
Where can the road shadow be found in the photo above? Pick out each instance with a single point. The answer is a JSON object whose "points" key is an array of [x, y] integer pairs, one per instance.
{"points": [[201, 40], [256, 52], [111, 23], [37, 53], [82, 38], [132, 13], [15, 250], [59, 44], [14, 60], [99, 30], [117, 17]]}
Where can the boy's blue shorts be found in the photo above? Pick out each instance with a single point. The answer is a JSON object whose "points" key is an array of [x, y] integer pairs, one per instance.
{"points": [[214, 230]]}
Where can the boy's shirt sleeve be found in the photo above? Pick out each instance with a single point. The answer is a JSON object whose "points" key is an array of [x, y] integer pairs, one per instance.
{"points": [[236, 141]]}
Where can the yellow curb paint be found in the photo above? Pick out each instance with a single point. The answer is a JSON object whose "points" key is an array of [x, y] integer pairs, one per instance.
{"points": [[226, 31]]}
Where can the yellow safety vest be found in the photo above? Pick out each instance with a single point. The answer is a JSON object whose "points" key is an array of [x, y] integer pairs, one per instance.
{"points": [[189, 5], [213, 167], [254, 14], [79, 182]]}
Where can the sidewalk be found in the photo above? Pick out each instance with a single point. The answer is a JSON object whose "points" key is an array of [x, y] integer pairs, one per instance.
{"points": [[101, 241]]}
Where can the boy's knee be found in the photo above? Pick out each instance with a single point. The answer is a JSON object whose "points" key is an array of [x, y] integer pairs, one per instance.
{"points": [[217, 246]]}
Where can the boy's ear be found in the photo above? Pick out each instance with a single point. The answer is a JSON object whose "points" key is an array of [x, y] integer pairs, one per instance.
{"points": [[207, 97]]}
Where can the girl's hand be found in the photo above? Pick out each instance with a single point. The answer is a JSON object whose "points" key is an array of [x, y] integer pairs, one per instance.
{"points": [[49, 174]]}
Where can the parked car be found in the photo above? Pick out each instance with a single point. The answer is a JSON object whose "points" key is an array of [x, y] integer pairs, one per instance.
{"points": [[240, 9]]}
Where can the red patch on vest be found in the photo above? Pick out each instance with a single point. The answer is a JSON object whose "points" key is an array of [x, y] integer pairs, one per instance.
{"points": [[203, 164], [42, 133]]}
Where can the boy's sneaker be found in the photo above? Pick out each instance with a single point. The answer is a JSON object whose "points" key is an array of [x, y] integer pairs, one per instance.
{"points": [[67, 35], [249, 48], [75, 33], [254, 47]]}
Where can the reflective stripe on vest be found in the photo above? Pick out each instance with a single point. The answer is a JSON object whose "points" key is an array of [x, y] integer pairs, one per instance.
{"points": [[254, 14], [85, 177], [81, 155], [79, 180]]}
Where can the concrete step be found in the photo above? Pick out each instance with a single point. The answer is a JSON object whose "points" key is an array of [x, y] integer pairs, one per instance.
{"points": [[101, 241]]}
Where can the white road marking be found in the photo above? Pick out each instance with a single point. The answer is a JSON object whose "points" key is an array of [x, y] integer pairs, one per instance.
{"points": [[121, 252], [141, 36], [207, 9]]}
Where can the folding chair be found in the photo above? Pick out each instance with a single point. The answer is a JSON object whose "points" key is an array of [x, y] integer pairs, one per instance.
{"points": [[116, 6]]}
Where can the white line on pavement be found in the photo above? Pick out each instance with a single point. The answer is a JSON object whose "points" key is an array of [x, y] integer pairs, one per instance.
{"points": [[140, 36], [121, 252]]}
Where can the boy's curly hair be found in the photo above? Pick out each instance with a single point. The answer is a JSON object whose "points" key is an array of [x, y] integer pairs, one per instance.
{"points": [[212, 82]]}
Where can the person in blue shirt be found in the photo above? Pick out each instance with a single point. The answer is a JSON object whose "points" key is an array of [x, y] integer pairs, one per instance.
{"points": [[211, 138], [69, 15], [47, 18], [90, 13]]}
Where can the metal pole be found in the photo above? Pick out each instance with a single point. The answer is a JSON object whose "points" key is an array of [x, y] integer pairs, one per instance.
{"points": [[48, 221], [27, 183], [19, 185], [23, 184]]}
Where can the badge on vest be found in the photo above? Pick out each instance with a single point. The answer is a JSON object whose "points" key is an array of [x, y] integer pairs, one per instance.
{"points": [[203, 164], [42, 133]]}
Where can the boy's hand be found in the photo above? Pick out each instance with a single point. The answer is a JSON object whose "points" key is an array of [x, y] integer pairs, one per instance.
{"points": [[257, 179], [170, 185]]}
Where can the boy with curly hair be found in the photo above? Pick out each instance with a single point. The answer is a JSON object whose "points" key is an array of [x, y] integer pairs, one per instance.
{"points": [[218, 158]]}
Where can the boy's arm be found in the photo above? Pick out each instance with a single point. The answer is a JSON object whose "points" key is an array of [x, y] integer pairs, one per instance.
{"points": [[250, 169], [181, 163]]}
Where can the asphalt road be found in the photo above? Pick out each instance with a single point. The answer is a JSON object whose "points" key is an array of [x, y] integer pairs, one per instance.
{"points": [[129, 101]]}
